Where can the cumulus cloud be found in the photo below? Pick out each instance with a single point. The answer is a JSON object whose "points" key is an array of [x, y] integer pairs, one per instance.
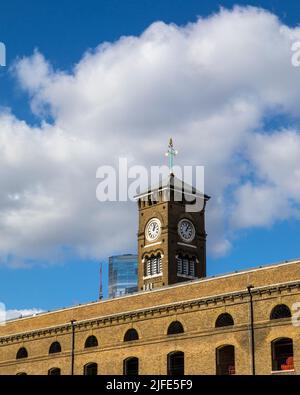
{"points": [[210, 84], [275, 194]]}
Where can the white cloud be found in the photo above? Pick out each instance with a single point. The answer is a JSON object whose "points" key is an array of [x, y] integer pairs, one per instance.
{"points": [[14, 313], [209, 84], [276, 195], [276, 158]]}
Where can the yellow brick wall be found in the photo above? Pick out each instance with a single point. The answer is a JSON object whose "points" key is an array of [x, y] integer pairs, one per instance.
{"points": [[150, 314]]}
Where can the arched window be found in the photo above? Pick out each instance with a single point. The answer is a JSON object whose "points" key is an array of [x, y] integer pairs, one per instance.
{"points": [[131, 366], [131, 335], [147, 266], [91, 341], [282, 354], [22, 353], [158, 263], [192, 265], [224, 319], [21, 374], [280, 311], [54, 372], [54, 348], [152, 265], [179, 263], [186, 265], [225, 361], [175, 327], [175, 363], [90, 369]]}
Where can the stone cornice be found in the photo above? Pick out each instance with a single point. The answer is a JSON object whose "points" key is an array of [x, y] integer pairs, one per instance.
{"points": [[232, 297]]}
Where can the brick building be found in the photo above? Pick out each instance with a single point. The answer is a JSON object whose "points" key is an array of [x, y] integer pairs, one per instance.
{"points": [[179, 321]]}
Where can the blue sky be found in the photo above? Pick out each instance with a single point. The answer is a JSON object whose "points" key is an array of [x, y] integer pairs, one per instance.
{"points": [[62, 32]]}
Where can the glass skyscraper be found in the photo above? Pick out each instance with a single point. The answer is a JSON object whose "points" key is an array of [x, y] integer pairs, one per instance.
{"points": [[122, 275]]}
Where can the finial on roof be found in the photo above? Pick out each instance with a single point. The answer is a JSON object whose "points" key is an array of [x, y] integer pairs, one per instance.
{"points": [[171, 153]]}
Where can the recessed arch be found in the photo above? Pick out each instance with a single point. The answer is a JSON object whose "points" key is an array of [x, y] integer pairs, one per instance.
{"points": [[22, 353], [91, 341], [130, 335], [175, 328], [225, 360], [282, 350], [54, 372], [131, 366], [55, 348], [175, 363], [224, 319], [148, 254], [280, 311], [90, 369]]}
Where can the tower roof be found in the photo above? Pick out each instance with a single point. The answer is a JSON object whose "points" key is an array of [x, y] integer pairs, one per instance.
{"points": [[172, 183]]}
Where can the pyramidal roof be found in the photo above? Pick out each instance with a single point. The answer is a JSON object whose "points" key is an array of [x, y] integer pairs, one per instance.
{"points": [[172, 183]]}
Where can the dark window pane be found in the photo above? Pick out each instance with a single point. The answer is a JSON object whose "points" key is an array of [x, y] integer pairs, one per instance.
{"points": [[54, 372], [131, 366], [131, 335], [22, 353], [280, 311], [91, 369], [282, 354], [224, 319], [225, 360], [176, 363], [91, 341], [175, 327], [54, 348]]}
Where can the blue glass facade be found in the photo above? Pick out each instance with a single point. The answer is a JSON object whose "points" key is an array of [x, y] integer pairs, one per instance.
{"points": [[122, 275]]}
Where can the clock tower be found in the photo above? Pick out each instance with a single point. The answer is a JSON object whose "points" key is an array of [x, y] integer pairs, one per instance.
{"points": [[171, 239]]}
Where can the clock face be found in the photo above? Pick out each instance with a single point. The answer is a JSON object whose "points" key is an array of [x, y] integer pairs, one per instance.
{"points": [[186, 230], [153, 229]]}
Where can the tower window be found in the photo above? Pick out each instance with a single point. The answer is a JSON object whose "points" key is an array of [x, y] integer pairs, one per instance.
{"points": [[186, 265], [192, 263], [153, 265], [158, 263], [179, 264]]}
